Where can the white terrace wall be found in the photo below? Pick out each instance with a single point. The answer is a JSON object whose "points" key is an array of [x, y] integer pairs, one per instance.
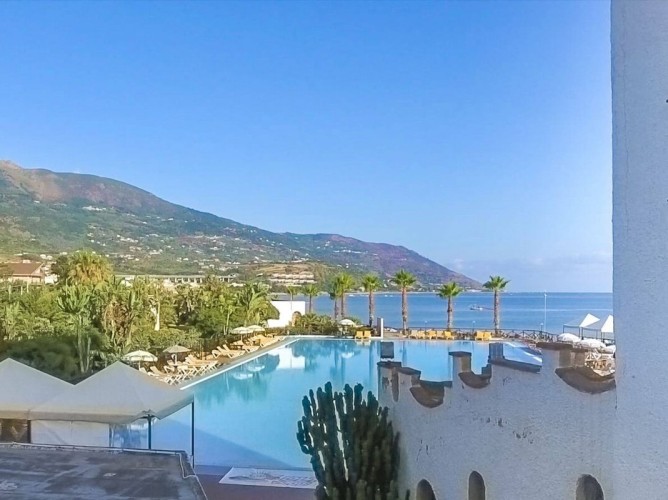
{"points": [[529, 435], [640, 232]]}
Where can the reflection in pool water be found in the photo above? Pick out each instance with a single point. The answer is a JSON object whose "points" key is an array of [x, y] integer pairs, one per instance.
{"points": [[247, 416]]}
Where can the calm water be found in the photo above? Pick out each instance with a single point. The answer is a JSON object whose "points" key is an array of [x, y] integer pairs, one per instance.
{"points": [[518, 310], [247, 416]]}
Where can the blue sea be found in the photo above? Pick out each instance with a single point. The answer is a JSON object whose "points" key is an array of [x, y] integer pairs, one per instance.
{"points": [[525, 310]]}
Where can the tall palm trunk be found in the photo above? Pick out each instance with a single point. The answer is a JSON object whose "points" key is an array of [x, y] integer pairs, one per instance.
{"points": [[372, 307], [404, 309], [310, 304], [343, 305], [497, 312], [336, 308], [449, 313]]}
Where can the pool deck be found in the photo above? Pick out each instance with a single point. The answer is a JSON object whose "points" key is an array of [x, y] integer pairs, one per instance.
{"points": [[33, 472]]}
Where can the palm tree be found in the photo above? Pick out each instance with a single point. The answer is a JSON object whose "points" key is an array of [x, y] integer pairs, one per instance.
{"points": [[371, 283], [254, 303], [74, 301], [227, 304], [311, 290], [496, 284], [83, 268], [344, 283], [333, 294], [404, 280], [449, 291]]}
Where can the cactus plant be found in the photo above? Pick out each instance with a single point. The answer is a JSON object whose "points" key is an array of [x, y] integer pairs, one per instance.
{"points": [[353, 448]]}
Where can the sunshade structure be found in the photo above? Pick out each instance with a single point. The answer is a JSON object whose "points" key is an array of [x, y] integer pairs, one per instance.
{"points": [[255, 328], [140, 357], [241, 330], [176, 349], [603, 329], [568, 337], [347, 322], [591, 343], [86, 413], [23, 388], [576, 325]]}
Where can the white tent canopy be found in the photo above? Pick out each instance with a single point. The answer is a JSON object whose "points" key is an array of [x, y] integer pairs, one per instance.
{"points": [[604, 327], [578, 323], [24, 387], [118, 394]]}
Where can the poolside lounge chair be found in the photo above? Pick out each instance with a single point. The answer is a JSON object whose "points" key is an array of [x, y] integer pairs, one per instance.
{"points": [[414, 334], [244, 347], [431, 334], [422, 335], [366, 334], [265, 341], [227, 352], [165, 377], [359, 335]]}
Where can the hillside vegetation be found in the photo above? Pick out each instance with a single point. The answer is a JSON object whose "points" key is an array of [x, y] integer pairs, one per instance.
{"points": [[48, 212]]}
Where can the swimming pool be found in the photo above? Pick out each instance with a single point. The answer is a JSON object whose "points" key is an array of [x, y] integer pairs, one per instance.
{"points": [[247, 416]]}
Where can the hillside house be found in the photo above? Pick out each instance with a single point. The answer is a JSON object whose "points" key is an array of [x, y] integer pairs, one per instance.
{"points": [[32, 273]]}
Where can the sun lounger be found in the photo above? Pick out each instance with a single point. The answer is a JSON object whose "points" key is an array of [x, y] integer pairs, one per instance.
{"points": [[366, 334], [230, 353], [165, 377]]}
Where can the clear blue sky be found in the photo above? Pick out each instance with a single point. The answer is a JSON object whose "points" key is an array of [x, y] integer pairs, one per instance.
{"points": [[477, 133]]}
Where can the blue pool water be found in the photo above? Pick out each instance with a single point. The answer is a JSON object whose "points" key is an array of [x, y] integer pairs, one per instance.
{"points": [[247, 416]]}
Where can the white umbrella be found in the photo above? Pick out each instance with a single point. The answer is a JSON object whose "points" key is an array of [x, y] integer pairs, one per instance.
{"points": [[610, 349], [591, 343], [347, 322], [568, 337], [140, 356], [176, 349], [241, 330], [255, 328]]}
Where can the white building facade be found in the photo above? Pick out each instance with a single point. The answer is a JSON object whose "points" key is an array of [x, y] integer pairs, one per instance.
{"points": [[563, 431], [288, 310]]}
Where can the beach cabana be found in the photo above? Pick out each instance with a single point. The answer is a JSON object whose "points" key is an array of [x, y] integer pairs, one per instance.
{"points": [[576, 325], [603, 329], [23, 387], [114, 401]]}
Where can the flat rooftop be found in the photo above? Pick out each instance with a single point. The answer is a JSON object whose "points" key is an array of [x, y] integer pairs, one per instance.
{"points": [[33, 472]]}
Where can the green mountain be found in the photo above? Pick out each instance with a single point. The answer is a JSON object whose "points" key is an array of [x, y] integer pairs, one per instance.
{"points": [[48, 212]]}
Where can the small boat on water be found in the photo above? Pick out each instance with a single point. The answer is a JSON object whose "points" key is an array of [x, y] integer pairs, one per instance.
{"points": [[475, 307]]}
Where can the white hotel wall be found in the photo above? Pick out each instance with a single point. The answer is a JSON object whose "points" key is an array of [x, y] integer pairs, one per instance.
{"points": [[286, 310], [530, 435], [640, 233]]}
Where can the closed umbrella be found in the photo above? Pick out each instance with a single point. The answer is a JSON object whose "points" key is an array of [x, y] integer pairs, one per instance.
{"points": [[140, 357]]}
